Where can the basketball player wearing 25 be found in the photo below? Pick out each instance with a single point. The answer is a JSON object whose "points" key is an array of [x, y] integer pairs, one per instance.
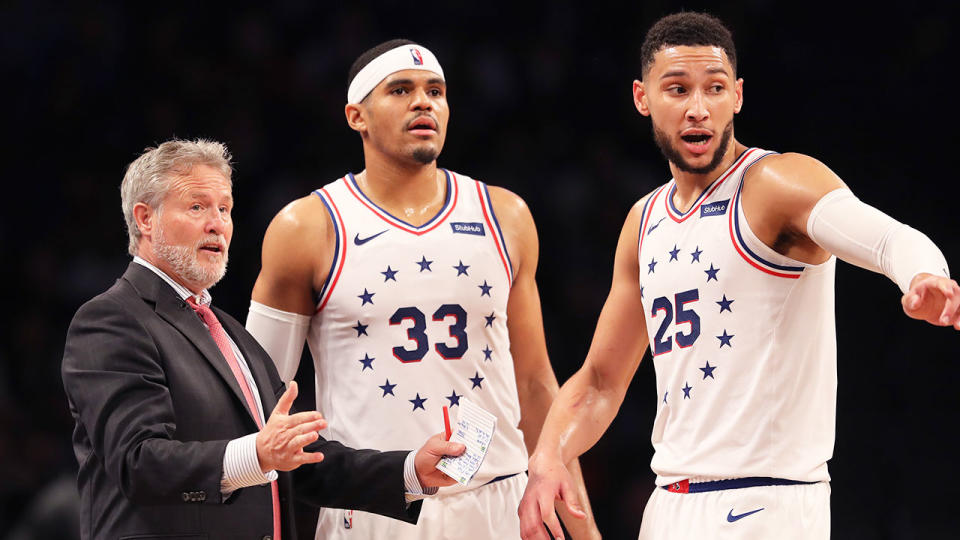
{"points": [[739, 235], [414, 287]]}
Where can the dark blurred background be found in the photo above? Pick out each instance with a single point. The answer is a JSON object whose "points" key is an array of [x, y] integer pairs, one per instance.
{"points": [[541, 104]]}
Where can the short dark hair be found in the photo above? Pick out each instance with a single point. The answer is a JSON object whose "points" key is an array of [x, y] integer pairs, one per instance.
{"points": [[686, 28], [367, 57]]}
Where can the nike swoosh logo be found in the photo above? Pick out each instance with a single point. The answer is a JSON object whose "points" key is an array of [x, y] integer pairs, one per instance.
{"points": [[650, 230], [731, 518], [361, 241]]}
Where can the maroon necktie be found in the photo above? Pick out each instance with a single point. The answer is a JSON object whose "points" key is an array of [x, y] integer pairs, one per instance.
{"points": [[223, 343]]}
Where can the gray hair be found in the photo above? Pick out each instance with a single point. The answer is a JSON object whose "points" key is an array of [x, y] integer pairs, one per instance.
{"points": [[148, 178]]}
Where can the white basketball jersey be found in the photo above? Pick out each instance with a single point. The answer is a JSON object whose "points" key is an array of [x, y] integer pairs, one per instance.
{"points": [[415, 318], [743, 342]]}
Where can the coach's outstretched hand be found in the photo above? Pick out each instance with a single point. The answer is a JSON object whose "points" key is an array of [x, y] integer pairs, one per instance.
{"points": [[280, 443], [934, 299], [549, 481], [429, 455]]}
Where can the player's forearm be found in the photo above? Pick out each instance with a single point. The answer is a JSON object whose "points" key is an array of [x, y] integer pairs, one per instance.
{"points": [[535, 394], [581, 412]]}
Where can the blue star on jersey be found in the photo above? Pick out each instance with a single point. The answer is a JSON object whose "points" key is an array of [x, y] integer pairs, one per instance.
{"points": [[673, 253], [476, 380], [366, 297], [653, 262], [462, 269], [485, 289], [725, 339], [361, 329], [490, 318], [387, 388], [418, 402], [665, 394], [695, 255], [424, 264], [725, 304], [366, 361], [454, 398], [389, 274], [708, 370], [686, 390], [487, 351], [712, 273]]}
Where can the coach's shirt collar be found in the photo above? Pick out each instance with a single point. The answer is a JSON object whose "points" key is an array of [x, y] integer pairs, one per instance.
{"points": [[202, 298]]}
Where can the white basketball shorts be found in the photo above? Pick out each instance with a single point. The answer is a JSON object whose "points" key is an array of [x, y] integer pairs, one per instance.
{"points": [[488, 511], [791, 512]]}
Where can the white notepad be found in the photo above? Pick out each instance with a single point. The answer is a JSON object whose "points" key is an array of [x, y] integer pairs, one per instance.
{"points": [[474, 428]]}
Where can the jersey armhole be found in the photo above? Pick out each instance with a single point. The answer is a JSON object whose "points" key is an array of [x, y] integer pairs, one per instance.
{"points": [[486, 204], [339, 251]]}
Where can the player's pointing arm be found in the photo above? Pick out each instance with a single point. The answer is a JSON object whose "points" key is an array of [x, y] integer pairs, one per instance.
{"points": [[817, 206]]}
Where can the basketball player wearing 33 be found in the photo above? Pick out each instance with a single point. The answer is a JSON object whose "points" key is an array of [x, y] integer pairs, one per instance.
{"points": [[727, 272], [414, 288]]}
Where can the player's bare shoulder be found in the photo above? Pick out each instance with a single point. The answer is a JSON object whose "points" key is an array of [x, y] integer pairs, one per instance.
{"points": [[634, 216], [300, 240], [511, 209], [789, 178]]}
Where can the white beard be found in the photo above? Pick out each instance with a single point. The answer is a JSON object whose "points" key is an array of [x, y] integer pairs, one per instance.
{"points": [[183, 260]]}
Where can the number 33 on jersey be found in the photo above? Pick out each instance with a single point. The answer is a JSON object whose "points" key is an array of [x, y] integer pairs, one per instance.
{"points": [[413, 318]]}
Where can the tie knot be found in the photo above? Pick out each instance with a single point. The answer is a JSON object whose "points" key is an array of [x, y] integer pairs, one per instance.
{"points": [[204, 311]]}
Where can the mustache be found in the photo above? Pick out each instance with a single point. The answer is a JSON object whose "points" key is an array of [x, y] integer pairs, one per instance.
{"points": [[432, 118], [216, 239]]}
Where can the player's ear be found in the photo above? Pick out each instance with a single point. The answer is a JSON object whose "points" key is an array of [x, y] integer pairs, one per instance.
{"points": [[355, 119], [739, 90], [640, 98]]}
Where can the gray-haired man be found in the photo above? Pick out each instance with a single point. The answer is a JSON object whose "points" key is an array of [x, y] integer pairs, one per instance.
{"points": [[172, 397]]}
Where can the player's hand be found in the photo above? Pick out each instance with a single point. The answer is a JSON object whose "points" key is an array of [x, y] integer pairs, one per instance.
{"points": [[934, 299], [549, 481], [280, 443]]}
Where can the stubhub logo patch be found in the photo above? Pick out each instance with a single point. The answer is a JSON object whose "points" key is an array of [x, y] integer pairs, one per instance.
{"points": [[715, 208], [468, 228]]}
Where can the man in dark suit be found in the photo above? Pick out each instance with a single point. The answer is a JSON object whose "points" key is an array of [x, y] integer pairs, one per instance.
{"points": [[170, 397]]}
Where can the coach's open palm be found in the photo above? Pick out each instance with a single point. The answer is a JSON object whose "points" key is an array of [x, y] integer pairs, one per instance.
{"points": [[280, 443]]}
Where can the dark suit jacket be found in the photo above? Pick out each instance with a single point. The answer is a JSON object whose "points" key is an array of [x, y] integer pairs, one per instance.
{"points": [[155, 404]]}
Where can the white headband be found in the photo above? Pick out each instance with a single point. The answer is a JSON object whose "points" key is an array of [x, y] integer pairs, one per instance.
{"points": [[408, 56]]}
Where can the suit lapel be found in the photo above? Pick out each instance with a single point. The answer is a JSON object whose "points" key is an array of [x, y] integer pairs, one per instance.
{"points": [[170, 307]]}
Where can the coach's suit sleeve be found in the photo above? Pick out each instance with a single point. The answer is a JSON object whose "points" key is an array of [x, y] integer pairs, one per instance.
{"points": [[366, 480], [114, 379]]}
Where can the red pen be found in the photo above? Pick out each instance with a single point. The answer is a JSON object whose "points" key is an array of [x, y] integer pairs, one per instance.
{"points": [[446, 422]]}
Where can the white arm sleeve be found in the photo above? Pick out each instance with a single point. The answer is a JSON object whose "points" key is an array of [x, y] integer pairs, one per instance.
{"points": [[281, 334], [862, 235]]}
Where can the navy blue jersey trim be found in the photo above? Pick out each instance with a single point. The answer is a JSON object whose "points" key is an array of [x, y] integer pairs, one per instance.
{"points": [[739, 483], [503, 239], [673, 189], [336, 246], [444, 208], [736, 223]]}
